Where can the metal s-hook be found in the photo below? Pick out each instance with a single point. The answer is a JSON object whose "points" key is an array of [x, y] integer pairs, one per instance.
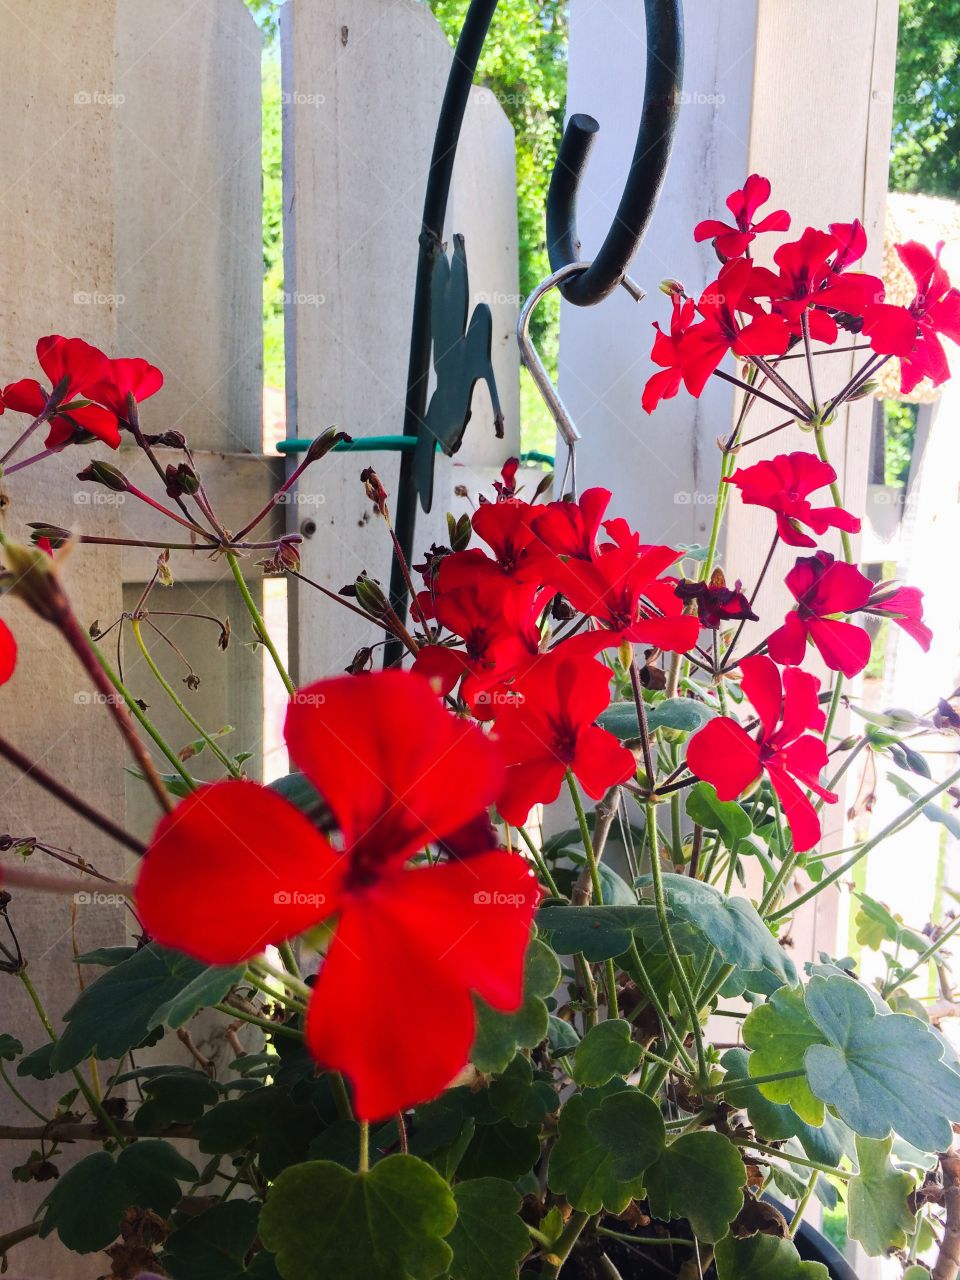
{"points": [[530, 358], [661, 101]]}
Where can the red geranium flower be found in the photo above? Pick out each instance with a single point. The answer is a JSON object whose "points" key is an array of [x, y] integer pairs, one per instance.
{"points": [[822, 587], [721, 330], [904, 606], [783, 484], [72, 366], [731, 242], [126, 377], [811, 278], [236, 867], [72, 418], [494, 615], [505, 528], [571, 529], [912, 332], [725, 755], [623, 590], [548, 727], [8, 653], [716, 602], [666, 352]]}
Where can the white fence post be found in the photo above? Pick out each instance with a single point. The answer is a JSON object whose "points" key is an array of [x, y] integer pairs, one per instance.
{"points": [[362, 85], [130, 216]]}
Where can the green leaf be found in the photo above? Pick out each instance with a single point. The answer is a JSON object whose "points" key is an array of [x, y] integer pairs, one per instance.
{"points": [[489, 1239], [178, 1098], [213, 1245], [879, 1072], [764, 1258], [779, 1033], [118, 1011], [877, 1211], [37, 1063], [682, 714], [10, 1048], [604, 1052], [732, 925], [107, 957], [876, 924], [503, 1150], [677, 1183], [587, 1162], [561, 1035], [499, 1035], [388, 1224], [933, 810], [727, 817], [281, 1128], [599, 933], [775, 1121], [520, 1098], [88, 1202], [630, 1125]]}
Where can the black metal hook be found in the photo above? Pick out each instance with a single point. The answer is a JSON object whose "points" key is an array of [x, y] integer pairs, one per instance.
{"points": [[661, 103]]}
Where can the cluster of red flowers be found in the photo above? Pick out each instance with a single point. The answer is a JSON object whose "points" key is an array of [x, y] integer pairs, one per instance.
{"points": [[755, 311], [88, 397]]}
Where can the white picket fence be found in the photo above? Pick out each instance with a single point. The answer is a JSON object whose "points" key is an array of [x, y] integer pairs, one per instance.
{"points": [[130, 213]]}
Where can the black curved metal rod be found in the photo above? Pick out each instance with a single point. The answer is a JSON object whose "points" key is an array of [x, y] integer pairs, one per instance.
{"points": [[661, 103], [452, 109]]}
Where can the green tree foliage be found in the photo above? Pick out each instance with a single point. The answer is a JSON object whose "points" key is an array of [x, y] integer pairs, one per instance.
{"points": [[926, 122]]}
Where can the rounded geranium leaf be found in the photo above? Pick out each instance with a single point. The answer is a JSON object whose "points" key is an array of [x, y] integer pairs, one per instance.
{"points": [[233, 869]]}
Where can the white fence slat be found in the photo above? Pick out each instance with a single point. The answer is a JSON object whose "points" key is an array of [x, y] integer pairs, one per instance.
{"points": [[362, 86]]}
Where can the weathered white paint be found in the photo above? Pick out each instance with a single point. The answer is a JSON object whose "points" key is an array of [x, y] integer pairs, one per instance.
{"points": [[130, 215], [354, 184]]}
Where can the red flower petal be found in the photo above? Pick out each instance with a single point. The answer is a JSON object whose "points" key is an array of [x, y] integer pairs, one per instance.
{"points": [[799, 813], [724, 754], [788, 644], [396, 768], [762, 687], [8, 653], [25, 396], [843, 646], [601, 761], [392, 1006], [72, 360], [125, 377], [234, 868]]}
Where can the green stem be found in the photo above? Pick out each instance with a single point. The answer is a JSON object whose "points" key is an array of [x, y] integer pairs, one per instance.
{"points": [[363, 1165], [294, 1003], [148, 727], [642, 1240], [542, 867], [922, 959], [676, 962], [93, 1102], [275, 1028], [830, 785], [295, 985], [19, 1096], [635, 967], [285, 950], [803, 1202], [906, 816], [726, 1087], [790, 1158], [563, 1247], [834, 490], [611, 973], [258, 622], [178, 703]]}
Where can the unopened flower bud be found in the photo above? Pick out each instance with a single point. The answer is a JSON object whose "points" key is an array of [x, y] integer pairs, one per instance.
{"points": [[376, 493], [107, 474], [459, 532], [362, 661], [33, 579], [369, 596], [324, 443], [182, 480], [287, 554], [672, 288], [626, 653], [866, 389], [53, 534]]}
